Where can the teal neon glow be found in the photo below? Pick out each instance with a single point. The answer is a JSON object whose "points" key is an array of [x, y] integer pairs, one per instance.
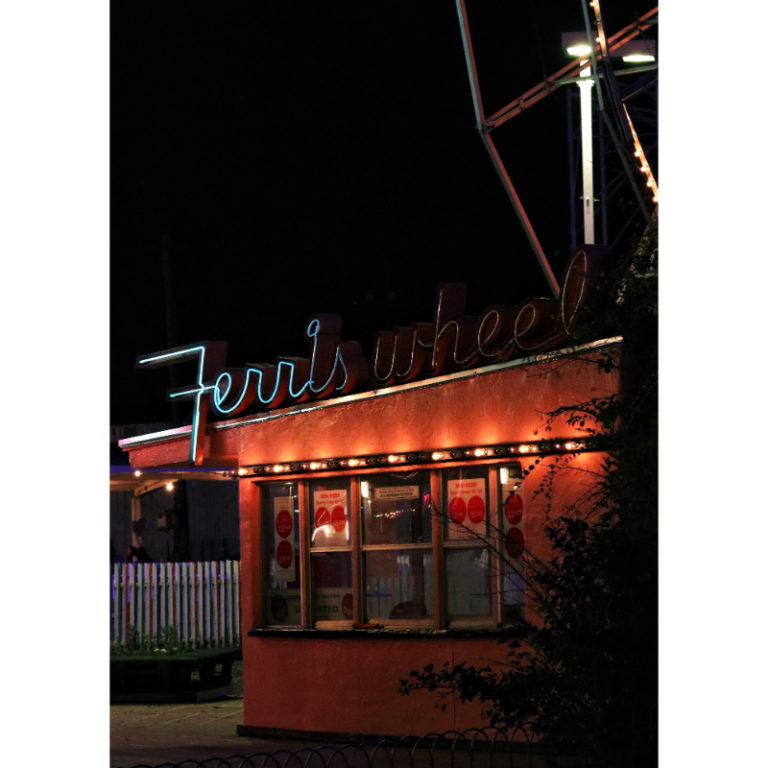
{"points": [[162, 359], [340, 360], [196, 393], [291, 370], [222, 387], [218, 398], [313, 328]]}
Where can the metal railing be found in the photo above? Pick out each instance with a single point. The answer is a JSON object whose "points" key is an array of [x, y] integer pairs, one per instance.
{"points": [[480, 747]]}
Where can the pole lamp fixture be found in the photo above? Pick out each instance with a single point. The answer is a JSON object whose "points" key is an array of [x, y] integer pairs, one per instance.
{"points": [[578, 45]]}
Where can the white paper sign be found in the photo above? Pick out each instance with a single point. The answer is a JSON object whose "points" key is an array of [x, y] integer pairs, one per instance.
{"points": [[330, 526]]}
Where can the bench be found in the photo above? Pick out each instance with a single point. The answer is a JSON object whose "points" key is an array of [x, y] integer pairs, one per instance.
{"points": [[199, 675]]}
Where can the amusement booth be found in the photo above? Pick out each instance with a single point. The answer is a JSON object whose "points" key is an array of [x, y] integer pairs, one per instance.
{"points": [[388, 508]]}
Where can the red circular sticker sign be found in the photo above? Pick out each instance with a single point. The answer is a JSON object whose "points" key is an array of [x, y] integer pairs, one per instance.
{"points": [[457, 510], [284, 554], [339, 518], [284, 523], [476, 509], [347, 603], [513, 542], [513, 509], [322, 517]]}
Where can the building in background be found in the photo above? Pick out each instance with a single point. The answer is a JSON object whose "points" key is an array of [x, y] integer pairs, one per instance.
{"points": [[175, 516]]}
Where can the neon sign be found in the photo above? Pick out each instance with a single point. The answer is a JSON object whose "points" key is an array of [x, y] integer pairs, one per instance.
{"points": [[451, 342]]}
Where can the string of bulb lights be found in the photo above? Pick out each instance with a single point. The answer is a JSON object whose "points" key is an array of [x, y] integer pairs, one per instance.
{"points": [[377, 461], [575, 445], [645, 167]]}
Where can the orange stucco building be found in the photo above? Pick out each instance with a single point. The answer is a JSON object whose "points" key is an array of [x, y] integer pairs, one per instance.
{"points": [[372, 526]]}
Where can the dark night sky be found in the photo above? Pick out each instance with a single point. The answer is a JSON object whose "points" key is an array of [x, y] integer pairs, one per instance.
{"points": [[270, 161]]}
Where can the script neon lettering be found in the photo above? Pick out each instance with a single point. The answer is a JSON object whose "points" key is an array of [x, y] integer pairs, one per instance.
{"points": [[296, 378], [205, 362], [451, 341], [455, 341]]}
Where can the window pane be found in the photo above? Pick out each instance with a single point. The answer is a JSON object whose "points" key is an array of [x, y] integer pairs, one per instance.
{"points": [[329, 514], [282, 597], [468, 573], [396, 510], [512, 596], [513, 546], [399, 585], [332, 598], [466, 503]]}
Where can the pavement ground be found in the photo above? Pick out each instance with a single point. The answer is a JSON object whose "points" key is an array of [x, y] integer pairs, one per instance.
{"points": [[155, 733], [152, 734]]}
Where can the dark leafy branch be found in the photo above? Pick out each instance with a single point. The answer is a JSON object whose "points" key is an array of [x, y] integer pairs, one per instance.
{"points": [[583, 676]]}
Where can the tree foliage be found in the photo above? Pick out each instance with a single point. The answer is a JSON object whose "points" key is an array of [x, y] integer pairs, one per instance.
{"points": [[584, 679]]}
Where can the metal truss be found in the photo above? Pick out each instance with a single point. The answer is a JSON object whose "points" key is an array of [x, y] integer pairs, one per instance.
{"points": [[613, 116]]}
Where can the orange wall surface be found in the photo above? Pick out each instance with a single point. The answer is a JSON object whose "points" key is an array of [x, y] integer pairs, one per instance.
{"points": [[349, 685]]}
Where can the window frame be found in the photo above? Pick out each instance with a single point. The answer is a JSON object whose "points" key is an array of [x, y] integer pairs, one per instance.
{"points": [[352, 487], [439, 546], [489, 542], [429, 622]]}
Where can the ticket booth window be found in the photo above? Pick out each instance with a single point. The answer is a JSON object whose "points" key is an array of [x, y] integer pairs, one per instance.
{"points": [[512, 548], [282, 560], [332, 596], [469, 565], [436, 548], [398, 565]]}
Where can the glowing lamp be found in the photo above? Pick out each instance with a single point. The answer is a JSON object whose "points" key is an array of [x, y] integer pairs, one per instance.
{"points": [[580, 50], [636, 52]]}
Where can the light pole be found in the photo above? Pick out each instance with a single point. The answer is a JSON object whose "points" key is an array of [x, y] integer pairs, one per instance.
{"points": [[578, 45], [587, 170], [575, 44]]}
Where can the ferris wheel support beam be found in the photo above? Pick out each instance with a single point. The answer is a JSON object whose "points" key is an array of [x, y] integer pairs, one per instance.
{"points": [[628, 136], [581, 70], [573, 69], [484, 131]]}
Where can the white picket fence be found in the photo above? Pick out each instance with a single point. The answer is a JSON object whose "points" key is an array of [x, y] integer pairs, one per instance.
{"points": [[201, 601]]}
